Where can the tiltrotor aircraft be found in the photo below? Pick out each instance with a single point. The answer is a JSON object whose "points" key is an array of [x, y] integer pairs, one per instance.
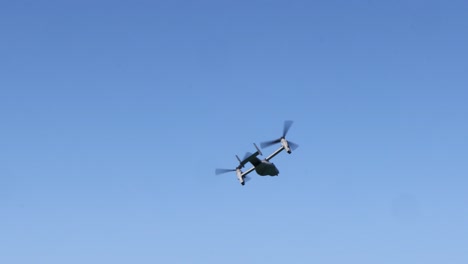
{"points": [[262, 167]]}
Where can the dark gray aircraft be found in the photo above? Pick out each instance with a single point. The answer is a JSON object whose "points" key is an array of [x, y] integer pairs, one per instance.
{"points": [[262, 167]]}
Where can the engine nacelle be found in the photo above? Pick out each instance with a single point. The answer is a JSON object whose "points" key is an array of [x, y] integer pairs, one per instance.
{"points": [[285, 145], [239, 176]]}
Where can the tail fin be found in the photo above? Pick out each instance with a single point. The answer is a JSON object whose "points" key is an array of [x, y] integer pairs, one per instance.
{"points": [[258, 150], [240, 162], [249, 157]]}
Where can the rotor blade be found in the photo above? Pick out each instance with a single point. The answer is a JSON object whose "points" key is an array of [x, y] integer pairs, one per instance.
{"points": [[287, 125], [247, 178], [293, 145], [221, 171], [269, 143]]}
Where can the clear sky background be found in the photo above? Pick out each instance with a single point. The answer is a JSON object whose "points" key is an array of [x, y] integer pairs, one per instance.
{"points": [[115, 114]]}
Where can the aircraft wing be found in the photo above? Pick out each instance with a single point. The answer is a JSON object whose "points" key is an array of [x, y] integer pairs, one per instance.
{"points": [[274, 153], [247, 171]]}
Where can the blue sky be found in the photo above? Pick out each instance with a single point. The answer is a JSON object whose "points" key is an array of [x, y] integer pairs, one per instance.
{"points": [[115, 115]]}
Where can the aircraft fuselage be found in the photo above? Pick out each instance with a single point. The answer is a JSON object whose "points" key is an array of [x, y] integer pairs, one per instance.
{"points": [[264, 168]]}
